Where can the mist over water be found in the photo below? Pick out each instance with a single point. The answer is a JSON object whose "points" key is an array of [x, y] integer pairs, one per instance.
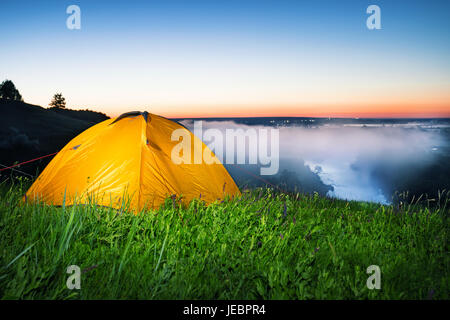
{"points": [[354, 162]]}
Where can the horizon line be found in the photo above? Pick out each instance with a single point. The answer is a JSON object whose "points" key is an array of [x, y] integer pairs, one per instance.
{"points": [[308, 117], [344, 115]]}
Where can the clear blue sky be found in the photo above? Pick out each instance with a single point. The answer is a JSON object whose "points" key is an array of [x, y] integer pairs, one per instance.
{"points": [[231, 58]]}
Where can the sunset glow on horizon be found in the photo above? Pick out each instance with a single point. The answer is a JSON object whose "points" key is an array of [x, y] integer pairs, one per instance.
{"points": [[370, 111], [187, 59]]}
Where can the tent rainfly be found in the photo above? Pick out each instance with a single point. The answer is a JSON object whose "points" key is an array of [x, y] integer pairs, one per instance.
{"points": [[129, 160]]}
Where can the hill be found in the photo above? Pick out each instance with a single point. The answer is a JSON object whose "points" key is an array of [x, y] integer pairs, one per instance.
{"points": [[29, 131]]}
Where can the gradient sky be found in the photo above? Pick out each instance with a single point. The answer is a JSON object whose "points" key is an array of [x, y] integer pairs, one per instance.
{"points": [[232, 58]]}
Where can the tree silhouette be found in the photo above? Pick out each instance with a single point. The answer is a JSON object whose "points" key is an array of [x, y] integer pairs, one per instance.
{"points": [[58, 101], [8, 91]]}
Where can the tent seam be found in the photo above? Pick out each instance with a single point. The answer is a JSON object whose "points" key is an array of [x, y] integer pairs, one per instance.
{"points": [[140, 166]]}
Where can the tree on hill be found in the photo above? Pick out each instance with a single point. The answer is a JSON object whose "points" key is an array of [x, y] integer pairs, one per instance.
{"points": [[58, 101], [8, 91]]}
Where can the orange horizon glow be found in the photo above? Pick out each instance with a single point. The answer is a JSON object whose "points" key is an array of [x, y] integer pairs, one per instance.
{"points": [[314, 111]]}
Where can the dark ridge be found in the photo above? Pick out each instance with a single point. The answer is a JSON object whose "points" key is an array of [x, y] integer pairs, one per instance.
{"points": [[29, 131]]}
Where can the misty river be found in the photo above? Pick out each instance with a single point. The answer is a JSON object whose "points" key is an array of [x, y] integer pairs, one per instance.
{"points": [[354, 160]]}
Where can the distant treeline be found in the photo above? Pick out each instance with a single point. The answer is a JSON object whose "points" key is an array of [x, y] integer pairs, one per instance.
{"points": [[84, 115]]}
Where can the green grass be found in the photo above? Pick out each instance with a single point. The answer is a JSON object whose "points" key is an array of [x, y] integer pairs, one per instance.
{"points": [[264, 245]]}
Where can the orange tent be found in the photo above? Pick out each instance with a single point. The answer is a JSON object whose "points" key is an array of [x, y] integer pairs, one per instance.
{"points": [[129, 159]]}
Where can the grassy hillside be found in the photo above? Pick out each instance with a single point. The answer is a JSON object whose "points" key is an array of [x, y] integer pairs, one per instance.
{"points": [[36, 121], [264, 245], [28, 131]]}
